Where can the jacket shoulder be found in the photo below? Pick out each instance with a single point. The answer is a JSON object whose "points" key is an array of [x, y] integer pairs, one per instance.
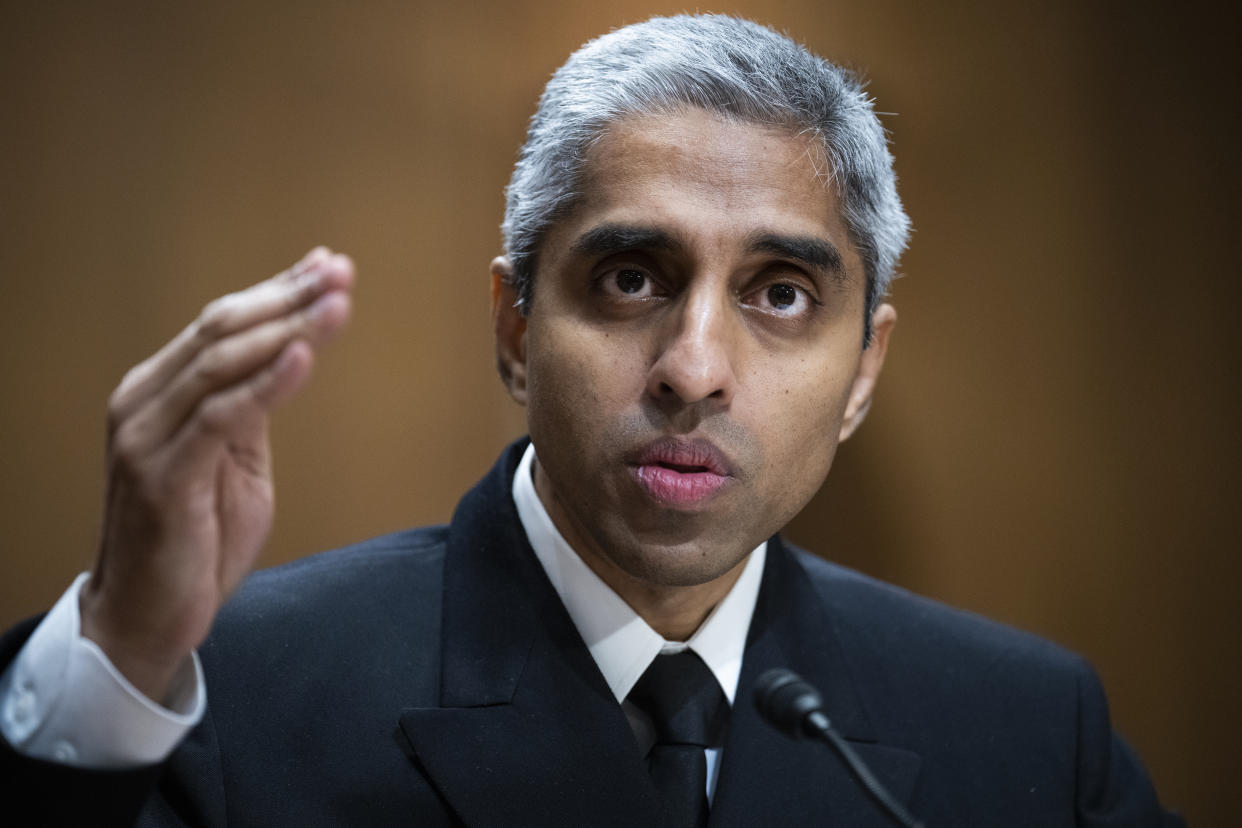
{"points": [[1034, 707], [378, 599], [362, 573], [933, 662], [888, 618]]}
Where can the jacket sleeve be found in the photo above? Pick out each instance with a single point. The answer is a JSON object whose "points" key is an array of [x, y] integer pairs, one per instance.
{"points": [[1114, 789], [35, 792], [185, 790]]}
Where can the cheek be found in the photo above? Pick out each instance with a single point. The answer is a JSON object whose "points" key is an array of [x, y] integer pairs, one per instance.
{"points": [[578, 383], [801, 420]]}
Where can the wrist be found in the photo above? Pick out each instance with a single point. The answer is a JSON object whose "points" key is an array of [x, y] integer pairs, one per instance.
{"points": [[146, 662]]}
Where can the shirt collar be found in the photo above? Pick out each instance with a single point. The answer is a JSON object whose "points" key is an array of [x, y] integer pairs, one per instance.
{"points": [[620, 641]]}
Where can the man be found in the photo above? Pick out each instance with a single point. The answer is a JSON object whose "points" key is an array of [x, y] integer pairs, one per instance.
{"points": [[699, 235]]}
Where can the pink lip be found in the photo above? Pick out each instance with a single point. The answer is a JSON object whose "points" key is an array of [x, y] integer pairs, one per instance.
{"points": [[679, 472]]}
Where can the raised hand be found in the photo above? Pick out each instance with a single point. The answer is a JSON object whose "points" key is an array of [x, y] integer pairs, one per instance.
{"points": [[189, 482]]}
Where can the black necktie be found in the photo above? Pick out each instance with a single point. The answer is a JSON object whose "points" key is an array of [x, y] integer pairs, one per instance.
{"points": [[688, 709]]}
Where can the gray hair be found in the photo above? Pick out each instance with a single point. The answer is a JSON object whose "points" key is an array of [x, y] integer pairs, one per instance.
{"points": [[725, 65]]}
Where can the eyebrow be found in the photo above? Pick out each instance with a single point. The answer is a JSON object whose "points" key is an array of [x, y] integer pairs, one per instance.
{"points": [[816, 253], [614, 238], [811, 251]]}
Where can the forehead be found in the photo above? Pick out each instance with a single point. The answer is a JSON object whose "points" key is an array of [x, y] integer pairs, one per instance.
{"points": [[709, 180]]}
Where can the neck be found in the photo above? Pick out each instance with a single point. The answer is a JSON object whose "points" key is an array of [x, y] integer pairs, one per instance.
{"points": [[673, 611]]}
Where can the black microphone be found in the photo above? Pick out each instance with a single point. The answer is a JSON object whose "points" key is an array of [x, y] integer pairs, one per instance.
{"points": [[796, 709]]}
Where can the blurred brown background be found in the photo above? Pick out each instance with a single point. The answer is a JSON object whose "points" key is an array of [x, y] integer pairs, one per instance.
{"points": [[1056, 437]]}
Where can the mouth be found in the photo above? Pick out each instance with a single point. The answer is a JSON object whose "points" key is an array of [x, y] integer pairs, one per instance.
{"points": [[681, 473]]}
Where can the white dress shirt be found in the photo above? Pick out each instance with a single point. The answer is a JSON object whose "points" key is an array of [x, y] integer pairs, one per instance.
{"points": [[620, 641], [63, 700]]}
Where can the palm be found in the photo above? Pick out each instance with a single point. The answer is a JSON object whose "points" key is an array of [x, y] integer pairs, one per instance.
{"points": [[244, 508]]}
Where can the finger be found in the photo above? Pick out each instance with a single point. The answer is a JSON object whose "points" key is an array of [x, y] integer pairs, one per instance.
{"points": [[284, 293], [229, 362], [319, 272], [238, 414]]}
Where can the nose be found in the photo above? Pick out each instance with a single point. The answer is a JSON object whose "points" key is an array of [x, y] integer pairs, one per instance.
{"points": [[696, 358]]}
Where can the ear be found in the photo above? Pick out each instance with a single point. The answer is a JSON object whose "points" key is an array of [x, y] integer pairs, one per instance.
{"points": [[509, 328], [869, 365]]}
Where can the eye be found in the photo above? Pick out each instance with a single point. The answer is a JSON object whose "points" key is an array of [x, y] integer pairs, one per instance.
{"points": [[627, 282], [781, 299]]}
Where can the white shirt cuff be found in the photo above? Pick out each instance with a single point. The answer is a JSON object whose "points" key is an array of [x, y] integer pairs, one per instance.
{"points": [[62, 700]]}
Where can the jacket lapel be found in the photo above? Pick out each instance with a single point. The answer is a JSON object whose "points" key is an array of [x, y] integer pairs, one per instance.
{"points": [[527, 732], [767, 778]]}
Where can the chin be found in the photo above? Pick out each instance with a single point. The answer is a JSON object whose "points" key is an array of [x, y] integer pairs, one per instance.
{"points": [[681, 565]]}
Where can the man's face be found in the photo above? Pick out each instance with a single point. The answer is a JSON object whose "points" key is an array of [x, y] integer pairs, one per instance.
{"points": [[694, 351]]}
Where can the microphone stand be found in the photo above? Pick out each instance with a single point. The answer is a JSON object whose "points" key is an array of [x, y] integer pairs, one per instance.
{"points": [[795, 708]]}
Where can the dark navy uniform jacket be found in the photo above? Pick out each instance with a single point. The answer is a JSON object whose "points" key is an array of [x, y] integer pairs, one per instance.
{"points": [[432, 677]]}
